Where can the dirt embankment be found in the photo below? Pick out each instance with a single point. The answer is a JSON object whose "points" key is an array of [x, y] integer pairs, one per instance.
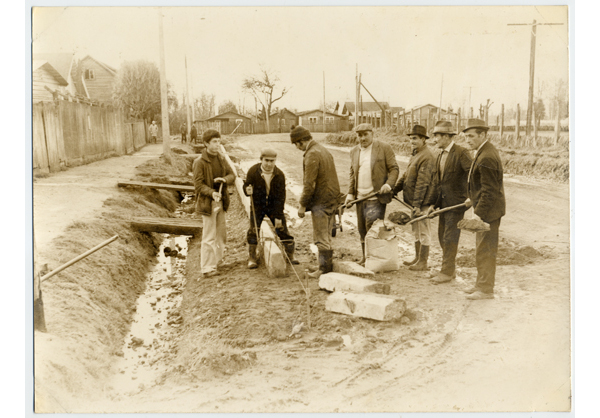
{"points": [[89, 306]]}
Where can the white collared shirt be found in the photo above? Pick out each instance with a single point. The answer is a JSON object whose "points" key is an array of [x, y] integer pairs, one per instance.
{"points": [[364, 185], [444, 157]]}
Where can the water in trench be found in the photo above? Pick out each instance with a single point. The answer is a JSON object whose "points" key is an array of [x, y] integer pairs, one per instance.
{"points": [[156, 319]]}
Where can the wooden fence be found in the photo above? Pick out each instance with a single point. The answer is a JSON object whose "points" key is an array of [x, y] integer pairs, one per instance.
{"points": [[69, 133], [248, 127]]}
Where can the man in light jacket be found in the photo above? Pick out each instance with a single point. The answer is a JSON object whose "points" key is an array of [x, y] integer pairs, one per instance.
{"points": [[373, 169]]}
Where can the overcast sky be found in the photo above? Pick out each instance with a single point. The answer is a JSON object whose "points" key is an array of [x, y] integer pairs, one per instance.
{"points": [[402, 51]]}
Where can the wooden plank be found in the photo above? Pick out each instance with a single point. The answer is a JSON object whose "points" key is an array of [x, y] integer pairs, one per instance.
{"points": [[40, 155], [177, 226], [366, 305], [173, 187]]}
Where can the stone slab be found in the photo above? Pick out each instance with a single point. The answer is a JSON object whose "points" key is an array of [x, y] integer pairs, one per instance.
{"points": [[352, 268], [366, 305], [345, 282]]}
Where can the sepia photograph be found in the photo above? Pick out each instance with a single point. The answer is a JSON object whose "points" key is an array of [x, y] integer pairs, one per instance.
{"points": [[301, 209]]}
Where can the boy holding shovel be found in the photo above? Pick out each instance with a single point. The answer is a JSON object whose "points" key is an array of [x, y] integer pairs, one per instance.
{"points": [[212, 174]]}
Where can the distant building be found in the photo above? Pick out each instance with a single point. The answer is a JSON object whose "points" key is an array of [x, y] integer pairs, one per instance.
{"points": [[51, 73], [316, 116], [284, 118], [426, 115], [227, 117], [94, 79]]}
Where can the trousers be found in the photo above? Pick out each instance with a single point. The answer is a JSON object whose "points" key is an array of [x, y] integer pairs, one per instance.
{"points": [[367, 213], [449, 235], [422, 229], [485, 257], [322, 219], [214, 237], [252, 235]]}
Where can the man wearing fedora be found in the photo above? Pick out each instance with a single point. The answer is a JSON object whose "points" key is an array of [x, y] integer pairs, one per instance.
{"points": [[373, 168], [419, 191], [320, 193], [451, 172], [485, 191]]}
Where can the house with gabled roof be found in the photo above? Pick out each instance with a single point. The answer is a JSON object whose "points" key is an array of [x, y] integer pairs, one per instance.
{"points": [[51, 73], [94, 79], [426, 115]]}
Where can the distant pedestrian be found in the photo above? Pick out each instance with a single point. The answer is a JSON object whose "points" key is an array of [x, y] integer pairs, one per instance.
{"points": [[485, 189], [320, 193], [183, 133], [153, 132], [418, 188], [193, 134], [210, 171], [373, 168], [451, 172], [265, 184]]}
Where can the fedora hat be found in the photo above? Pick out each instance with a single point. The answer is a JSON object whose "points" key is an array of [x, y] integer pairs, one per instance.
{"points": [[475, 123], [418, 130], [444, 127]]}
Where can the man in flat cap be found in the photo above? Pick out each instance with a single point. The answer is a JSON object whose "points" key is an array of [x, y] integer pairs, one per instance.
{"points": [[485, 189], [451, 172], [419, 191], [373, 168], [265, 184], [320, 193]]}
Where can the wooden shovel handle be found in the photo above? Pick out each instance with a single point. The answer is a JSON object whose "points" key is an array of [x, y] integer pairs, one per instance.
{"points": [[436, 213]]}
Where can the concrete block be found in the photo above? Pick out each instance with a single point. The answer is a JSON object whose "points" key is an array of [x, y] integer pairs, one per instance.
{"points": [[352, 268], [366, 305], [345, 282]]}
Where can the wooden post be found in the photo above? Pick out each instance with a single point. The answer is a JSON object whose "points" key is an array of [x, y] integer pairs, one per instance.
{"points": [[164, 105], [471, 113], [412, 117], [535, 127], [518, 124], [531, 79], [39, 320], [458, 120], [501, 122], [557, 125]]}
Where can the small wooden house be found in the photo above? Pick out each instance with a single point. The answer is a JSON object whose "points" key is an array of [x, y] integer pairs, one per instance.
{"points": [[94, 79], [316, 116], [228, 117], [284, 118], [51, 73]]}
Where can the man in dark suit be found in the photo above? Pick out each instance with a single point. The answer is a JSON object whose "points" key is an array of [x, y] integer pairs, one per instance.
{"points": [[373, 168], [451, 172], [485, 189]]}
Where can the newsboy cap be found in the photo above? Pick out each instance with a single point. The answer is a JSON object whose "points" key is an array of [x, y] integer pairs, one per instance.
{"points": [[299, 133], [444, 127], [418, 130], [476, 123], [364, 127], [268, 153]]}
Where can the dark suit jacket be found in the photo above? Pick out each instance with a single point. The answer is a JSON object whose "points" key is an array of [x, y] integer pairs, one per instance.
{"points": [[321, 186], [453, 183], [384, 169], [273, 204], [485, 184]]}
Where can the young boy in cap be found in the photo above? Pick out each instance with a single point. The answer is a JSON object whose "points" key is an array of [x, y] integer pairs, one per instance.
{"points": [[320, 194], [265, 184], [210, 171], [451, 171], [485, 189], [418, 187], [373, 168]]}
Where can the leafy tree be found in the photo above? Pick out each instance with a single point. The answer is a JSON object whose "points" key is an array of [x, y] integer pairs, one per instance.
{"points": [[137, 88], [263, 87], [227, 106]]}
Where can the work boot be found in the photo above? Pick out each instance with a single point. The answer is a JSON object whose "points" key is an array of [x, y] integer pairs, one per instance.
{"points": [[252, 261], [363, 260], [289, 251], [417, 252], [443, 278], [421, 265], [327, 265]]}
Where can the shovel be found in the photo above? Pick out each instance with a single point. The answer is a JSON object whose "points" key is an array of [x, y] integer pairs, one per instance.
{"points": [[218, 206], [436, 213]]}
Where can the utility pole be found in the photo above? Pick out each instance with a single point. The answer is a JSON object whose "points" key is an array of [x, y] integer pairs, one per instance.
{"points": [[531, 68], [441, 90], [324, 130], [164, 103], [187, 102], [192, 97], [356, 94]]}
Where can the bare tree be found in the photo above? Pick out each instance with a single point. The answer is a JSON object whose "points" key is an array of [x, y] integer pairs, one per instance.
{"points": [[329, 106], [227, 106], [204, 107], [263, 87], [137, 88]]}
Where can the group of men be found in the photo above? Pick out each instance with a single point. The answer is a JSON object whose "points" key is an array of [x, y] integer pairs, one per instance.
{"points": [[452, 178], [193, 133]]}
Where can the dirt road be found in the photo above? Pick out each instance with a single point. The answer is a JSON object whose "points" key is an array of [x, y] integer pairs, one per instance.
{"points": [[507, 354]]}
